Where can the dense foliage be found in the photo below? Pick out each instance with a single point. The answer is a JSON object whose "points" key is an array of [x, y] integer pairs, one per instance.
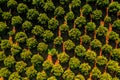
{"points": [[60, 39], [63, 57], [74, 63]]}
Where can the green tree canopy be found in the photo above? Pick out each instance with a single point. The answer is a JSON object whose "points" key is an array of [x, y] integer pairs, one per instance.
{"points": [[26, 54], [80, 50], [59, 11], [113, 36], [69, 44], [74, 34], [27, 25], [2, 56], [118, 72], [20, 37], [53, 51], [41, 75], [80, 21], [48, 36], [79, 77], [86, 39], [4, 72], [97, 14], [58, 40], [52, 78], [57, 70], [74, 63], [63, 57], [116, 24], [106, 48], [31, 72], [16, 20], [116, 54], [5, 44], [64, 28], [102, 3], [31, 42], [75, 3], [70, 16], [112, 66], [90, 56], [86, 9], [115, 78], [37, 59], [6, 15], [12, 4], [47, 65], [38, 2], [43, 18], [32, 14], [96, 73], [95, 44], [15, 49], [85, 68], [20, 66], [25, 78], [63, 2], [9, 61], [68, 75], [3, 27], [105, 76], [53, 24], [22, 8], [37, 30], [91, 26], [107, 19], [114, 7], [42, 47], [101, 31], [101, 60], [15, 76], [49, 6]]}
